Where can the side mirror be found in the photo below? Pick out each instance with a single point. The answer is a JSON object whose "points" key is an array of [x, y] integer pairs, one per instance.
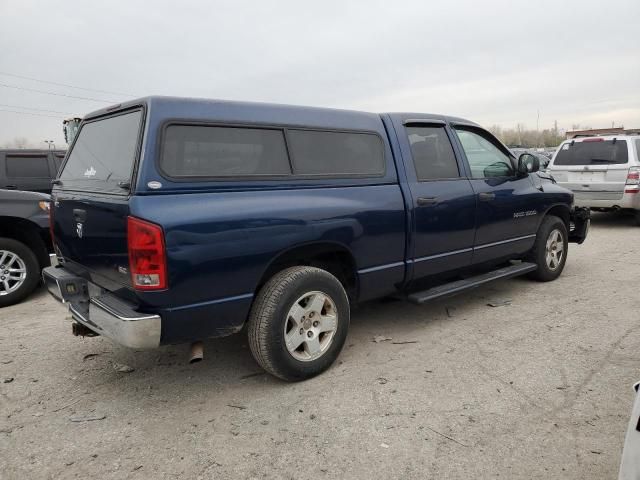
{"points": [[528, 163]]}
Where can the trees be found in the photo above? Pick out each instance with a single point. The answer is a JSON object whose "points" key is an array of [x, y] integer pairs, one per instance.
{"points": [[523, 137]]}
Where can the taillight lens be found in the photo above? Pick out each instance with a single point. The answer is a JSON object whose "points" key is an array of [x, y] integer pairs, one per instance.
{"points": [[633, 180], [147, 259]]}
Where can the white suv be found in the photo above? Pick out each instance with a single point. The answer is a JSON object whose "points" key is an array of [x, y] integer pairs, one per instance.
{"points": [[603, 172]]}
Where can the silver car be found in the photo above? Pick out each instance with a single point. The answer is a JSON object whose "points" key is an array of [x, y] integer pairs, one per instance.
{"points": [[603, 171]]}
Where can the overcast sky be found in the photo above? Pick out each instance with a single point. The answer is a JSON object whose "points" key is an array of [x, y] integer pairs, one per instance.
{"points": [[495, 62]]}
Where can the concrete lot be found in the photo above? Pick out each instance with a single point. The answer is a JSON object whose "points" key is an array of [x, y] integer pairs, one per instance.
{"points": [[540, 388]]}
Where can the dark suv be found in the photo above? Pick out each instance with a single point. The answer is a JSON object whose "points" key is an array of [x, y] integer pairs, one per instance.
{"points": [[25, 243], [30, 170], [175, 220]]}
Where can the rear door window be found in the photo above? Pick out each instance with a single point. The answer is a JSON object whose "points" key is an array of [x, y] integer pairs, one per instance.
{"points": [[316, 152], [211, 151], [593, 152], [432, 153], [23, 166], [103, 154]]}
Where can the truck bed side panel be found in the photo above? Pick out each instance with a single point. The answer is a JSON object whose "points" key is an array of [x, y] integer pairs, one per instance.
{"points": [[219, 245]]}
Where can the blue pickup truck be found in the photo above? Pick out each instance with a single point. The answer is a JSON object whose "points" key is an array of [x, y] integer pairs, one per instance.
{"points": [[175, 220]]}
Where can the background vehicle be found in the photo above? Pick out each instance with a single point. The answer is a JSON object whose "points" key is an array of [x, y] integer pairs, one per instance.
{"points": [[25, 243], [630, 463], [603, 171], [31, 170], [229, 212]]}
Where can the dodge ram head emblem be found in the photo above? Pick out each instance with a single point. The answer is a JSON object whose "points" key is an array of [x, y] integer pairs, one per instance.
{"points": [[79, 229]]}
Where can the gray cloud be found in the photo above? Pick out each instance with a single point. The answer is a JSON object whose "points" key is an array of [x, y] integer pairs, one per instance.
{"points": [[495, 62]]}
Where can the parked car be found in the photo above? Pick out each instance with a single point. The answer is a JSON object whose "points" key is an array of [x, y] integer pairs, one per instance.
{"points": [[30, 170], [25, 243], [630, 462], [177, 220], [603, 171]]}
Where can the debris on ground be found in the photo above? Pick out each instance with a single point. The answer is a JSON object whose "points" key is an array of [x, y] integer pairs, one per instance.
{"points": [[89, 355], [384, 445], [381, 338], [500, 303], [89, 418], [239, 407], [404, 343], [8, 380], [122, 368], [382, 380]]}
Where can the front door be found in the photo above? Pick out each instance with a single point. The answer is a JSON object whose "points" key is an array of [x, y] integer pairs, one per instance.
{"points": [[507, 213], [443, 201]]}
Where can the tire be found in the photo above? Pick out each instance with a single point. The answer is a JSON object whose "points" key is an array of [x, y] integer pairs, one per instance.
{"points": [[552, 232], [299, 304], [14, 257]]}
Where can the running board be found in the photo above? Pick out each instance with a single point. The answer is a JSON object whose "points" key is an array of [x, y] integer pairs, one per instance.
{"points": [[471, 282]]}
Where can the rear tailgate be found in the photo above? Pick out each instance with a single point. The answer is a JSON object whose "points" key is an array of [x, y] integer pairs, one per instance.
{"points": [[90, 205], [593, 168]]}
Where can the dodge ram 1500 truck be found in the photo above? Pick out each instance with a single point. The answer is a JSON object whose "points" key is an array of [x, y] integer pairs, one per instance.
{"points": [[176, 220]]}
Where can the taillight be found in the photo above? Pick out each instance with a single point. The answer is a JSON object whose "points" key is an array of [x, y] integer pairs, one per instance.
{"points": [[633, 181], [147, 259]]}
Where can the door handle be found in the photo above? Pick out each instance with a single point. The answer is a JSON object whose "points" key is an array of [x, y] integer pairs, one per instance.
{"points": [[79, 215], [486, 196], [425, 201]]}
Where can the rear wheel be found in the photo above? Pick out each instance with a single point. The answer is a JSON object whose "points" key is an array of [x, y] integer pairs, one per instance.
{"points": [[549, 251], [19, 271], [298, 323]]}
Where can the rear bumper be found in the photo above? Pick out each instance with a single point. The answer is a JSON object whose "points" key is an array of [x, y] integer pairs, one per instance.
{"points": [[626, 200], [580, 220], [103, 312]]}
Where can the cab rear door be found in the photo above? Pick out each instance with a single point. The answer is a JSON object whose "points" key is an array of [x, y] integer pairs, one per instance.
{"points": [[442, 202]]}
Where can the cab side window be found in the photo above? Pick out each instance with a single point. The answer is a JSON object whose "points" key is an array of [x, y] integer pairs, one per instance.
{"points": [[485, 158], [432, 153]]}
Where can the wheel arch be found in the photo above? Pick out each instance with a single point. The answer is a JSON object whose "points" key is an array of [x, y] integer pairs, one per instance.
{"points": [[29, 233], [559, 210], [334, 257]]}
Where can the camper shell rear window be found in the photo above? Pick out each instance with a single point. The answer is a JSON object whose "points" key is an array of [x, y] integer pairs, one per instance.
{"points": [[104, 154]]}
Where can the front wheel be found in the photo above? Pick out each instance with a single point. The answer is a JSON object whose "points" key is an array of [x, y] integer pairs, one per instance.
{"points": [[549, 251], [19, 271], [298, 323]]}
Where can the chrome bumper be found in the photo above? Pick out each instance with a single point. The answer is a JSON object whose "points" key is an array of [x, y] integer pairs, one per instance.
{"points": [[103, 312]]}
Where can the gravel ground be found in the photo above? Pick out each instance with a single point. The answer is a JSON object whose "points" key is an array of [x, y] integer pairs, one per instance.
{"points": [[539, 388]]}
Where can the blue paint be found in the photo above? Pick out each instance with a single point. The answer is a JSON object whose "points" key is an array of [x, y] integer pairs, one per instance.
{"points": [[222, 236]]}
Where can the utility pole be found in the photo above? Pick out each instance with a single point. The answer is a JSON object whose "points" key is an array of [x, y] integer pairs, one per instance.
{"points": [[50, 142], [538, 129]]}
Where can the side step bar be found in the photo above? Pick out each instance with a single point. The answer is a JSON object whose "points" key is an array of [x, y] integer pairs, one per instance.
{"points": [[468, 283]]}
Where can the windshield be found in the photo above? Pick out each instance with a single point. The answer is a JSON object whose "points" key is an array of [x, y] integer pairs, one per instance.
{"points": [[103, 154], [603, 152]]}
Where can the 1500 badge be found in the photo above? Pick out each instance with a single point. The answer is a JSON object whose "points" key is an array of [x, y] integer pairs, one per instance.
{"points": [[528, 213]]}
